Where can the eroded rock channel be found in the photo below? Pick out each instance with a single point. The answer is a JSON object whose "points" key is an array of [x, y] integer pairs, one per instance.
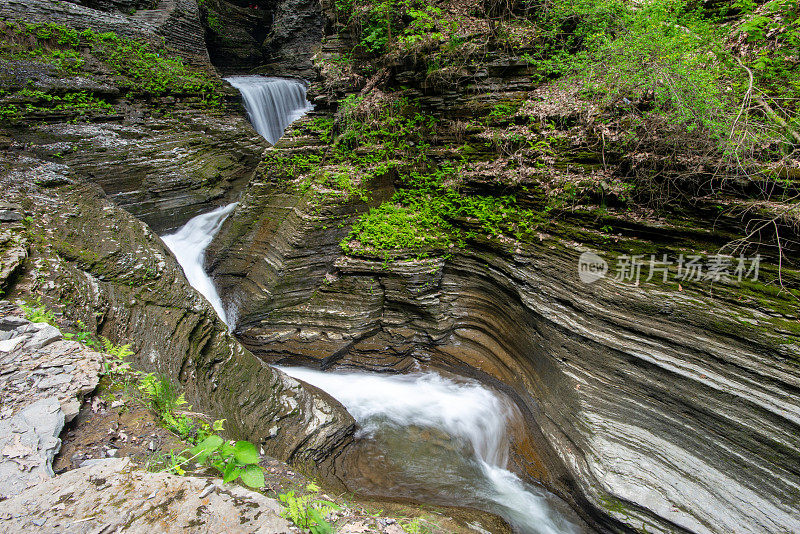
{"points": [[409, 248]]}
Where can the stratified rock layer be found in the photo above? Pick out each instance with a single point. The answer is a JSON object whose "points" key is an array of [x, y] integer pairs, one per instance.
{"points": [[276, 37], [36, 363], [175, 22], [123, 283], [659, 408]]}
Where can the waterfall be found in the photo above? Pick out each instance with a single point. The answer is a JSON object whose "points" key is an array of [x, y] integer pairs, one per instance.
{"points": [[472, 465], [189, 246], [272, 104]]}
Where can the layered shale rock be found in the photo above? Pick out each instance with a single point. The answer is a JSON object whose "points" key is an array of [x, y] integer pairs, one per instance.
{"points": [[175, 22], [122, 283], [43, 380], [36, 362], [166, 143], [163, 170], [276, 37], [656, 407]]}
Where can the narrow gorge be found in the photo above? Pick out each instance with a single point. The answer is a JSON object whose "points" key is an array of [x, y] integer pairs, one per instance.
{"points": [[487, 267]]}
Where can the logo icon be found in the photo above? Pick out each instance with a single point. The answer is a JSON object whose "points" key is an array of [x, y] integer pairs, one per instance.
{"points": [[591, 267]]}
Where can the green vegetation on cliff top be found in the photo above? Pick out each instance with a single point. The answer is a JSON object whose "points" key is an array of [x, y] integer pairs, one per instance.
{"points": [[139, 69], [709, 85]]}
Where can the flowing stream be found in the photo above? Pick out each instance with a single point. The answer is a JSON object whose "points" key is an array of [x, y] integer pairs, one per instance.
{"points": [[445, 439], [442, 438], [272, 104], [189, 245]]}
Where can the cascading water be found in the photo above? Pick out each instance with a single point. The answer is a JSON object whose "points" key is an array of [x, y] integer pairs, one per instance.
{"points": [[446, 438], [189, 246], [272, 104]]}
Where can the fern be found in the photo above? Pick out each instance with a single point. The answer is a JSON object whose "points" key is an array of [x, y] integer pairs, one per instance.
{"points": [[308, 511]]}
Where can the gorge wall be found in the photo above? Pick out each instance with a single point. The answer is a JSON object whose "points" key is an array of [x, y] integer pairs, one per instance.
{"points": [[276, 37], [651, 408], [122, 122], [646, 398]]}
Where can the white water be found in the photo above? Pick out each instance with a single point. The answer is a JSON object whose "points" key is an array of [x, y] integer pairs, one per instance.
{"points": [[465, 411], [272, 104], [189, 246]]}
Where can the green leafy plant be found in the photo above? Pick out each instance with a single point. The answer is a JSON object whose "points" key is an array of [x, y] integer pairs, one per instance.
{"points": [[82, 336], [239, 460], [36, 312], [163, 397], [415, 526], [115, 364], [142, 69], [308, 511]]}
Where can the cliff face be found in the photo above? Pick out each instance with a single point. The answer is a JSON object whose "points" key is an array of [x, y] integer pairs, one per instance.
{"points": [[654, 407], [640, 400], [275, 37], [92, 121], [108, 270], [649, 406], [175, 22]]}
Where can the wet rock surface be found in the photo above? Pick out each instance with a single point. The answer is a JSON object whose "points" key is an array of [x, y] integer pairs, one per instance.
{"points": [[124, 284], [162, 170], [275, 37], [646, 397], [176, 21], [651, 409], [110, 495]]}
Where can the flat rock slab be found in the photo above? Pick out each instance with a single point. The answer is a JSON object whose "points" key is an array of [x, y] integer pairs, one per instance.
{"points": [[43, 379], [111, 496], [28, 443], [37, 363]]}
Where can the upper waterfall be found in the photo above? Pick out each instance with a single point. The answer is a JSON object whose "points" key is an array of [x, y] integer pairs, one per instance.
{"points": [[272, 104]]}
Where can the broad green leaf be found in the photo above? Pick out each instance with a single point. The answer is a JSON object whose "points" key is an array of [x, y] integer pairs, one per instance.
{"points": [[253, 476], [245, 452], [230, 473], [206, 447], [226, 450]]}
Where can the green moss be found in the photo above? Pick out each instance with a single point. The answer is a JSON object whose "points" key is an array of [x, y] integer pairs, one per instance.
{"points": [[140, 68], [27, 101]]}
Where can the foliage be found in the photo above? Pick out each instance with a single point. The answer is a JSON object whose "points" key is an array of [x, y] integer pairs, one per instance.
{"points": [[381, 24], [239, 460], [36, 312], [772, 32], [27, 101], [160, 393], [141, 68], [308, 511], [415, 526], [163, 397], [210, 16], [234, 461], [504, 111], [115, 363], [421, 216], [667, 53]]}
